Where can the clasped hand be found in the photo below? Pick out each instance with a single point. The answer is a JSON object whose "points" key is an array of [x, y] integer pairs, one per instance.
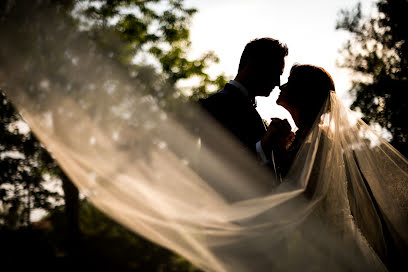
{"points": [[277, 137]]}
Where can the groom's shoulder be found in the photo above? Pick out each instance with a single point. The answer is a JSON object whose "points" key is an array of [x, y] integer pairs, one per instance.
{"points": [[216, 99]]}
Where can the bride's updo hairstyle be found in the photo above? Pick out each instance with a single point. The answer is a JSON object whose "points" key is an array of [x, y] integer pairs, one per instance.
{"points": [[310, 87]]}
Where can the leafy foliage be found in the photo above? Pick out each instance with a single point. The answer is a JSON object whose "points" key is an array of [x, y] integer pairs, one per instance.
{"points": [[377, 52], [154, 31], [123, 31], [146, 40], [23, 166]]}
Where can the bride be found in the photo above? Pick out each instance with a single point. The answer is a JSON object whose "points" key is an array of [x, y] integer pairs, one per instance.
{"points": [[352, 204]]}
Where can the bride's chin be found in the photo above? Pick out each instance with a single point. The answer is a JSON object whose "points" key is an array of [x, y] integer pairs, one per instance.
{"points": [[279, 101], [282, 103]]}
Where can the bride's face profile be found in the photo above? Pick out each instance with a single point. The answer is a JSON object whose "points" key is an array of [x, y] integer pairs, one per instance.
{"points": [[305, 92], [289, 93], [283, 96]]}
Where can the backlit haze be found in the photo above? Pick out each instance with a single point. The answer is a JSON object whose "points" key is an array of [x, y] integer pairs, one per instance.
{"points": [[307, 27]]}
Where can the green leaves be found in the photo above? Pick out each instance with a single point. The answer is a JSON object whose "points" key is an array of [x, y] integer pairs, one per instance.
{"points": [[350, 20], [23, 164], [132, 29], [377, 53], [152, 30]]}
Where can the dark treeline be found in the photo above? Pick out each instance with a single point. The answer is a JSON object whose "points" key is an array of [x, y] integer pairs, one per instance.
{"points": [[377, 54]]}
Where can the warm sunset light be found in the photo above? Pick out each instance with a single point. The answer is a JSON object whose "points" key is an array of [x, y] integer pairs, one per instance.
{"points": [[203, 135], [307, 27]]}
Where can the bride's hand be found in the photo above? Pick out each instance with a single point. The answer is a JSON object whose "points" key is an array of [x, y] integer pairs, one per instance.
{"points": [[289, 140], [276, 136]]}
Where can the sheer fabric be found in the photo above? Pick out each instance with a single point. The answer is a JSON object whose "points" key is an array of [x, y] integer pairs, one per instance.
{"points": [[342, 206]]}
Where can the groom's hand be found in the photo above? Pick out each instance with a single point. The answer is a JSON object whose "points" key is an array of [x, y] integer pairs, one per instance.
{"points": [[276, 136]]}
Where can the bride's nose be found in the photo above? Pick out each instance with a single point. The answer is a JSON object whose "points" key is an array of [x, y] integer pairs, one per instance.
{"points": [[283, 87]]}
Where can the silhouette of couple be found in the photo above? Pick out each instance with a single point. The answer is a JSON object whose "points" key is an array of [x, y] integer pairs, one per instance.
{"points": [[261, 65], [334, 160]]}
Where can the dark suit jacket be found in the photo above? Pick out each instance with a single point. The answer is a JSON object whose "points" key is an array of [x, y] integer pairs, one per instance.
{"points": [[236, 112]]}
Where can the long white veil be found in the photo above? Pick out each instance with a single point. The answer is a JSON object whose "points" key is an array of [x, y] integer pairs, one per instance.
{"points": [[342, 206]]}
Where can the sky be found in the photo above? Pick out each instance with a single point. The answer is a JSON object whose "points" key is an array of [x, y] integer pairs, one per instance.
{"points": [[307, 27]]}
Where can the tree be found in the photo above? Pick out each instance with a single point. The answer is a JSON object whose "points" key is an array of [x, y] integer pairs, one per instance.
{"points": [[157, 30], [120, 31], [377, 53], [23, 166]]}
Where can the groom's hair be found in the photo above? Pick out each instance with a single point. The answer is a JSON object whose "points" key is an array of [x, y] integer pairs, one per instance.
{"points": [[263, 52]]}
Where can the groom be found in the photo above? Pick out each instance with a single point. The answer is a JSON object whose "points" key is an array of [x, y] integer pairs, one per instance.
{"points": [[261, 65]]}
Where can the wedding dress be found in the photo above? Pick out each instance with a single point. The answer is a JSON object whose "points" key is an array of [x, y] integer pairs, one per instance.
{"points": [[342, 206]]}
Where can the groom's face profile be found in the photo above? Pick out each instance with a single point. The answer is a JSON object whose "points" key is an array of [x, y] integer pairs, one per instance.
{"points": [[261, 65], [268, 77]]}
